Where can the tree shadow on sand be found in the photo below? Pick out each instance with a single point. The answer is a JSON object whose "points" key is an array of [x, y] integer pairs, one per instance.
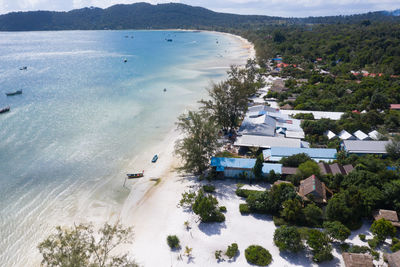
{"points": [[212, 228], [302, 258]]}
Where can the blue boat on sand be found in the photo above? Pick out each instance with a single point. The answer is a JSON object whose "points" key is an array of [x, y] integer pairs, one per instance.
{"points": [[155, 158]]}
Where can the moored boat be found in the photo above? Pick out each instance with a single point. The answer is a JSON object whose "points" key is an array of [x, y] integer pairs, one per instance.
{"points": [[135, 175], [18, 92], [23, 68], [4, 110], [155, 158]]}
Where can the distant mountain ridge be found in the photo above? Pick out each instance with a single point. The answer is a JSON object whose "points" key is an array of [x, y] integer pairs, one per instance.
{"points": [[160, 16]]}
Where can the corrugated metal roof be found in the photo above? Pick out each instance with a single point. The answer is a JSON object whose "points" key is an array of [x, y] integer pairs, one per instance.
{"points": [[365, 147], [314, 153], [317, 114], [295, 134], [375, 135], [344, 135], [330, 134], [360, 135], [266, 141], [241, 163], [262, 125]]}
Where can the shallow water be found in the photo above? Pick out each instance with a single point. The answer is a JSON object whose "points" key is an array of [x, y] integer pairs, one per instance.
{"points": [[85, 116]]}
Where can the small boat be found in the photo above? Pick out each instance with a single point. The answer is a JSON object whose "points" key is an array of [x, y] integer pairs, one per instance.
{"points": [[155, 158], [135, 175], [165, 89], [169, 40], [18, 92], [125, 60], [23, 68], [4, 110]]}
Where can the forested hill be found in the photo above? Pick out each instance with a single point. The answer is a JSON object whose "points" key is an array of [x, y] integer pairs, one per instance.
{"points": [[161, 16]]}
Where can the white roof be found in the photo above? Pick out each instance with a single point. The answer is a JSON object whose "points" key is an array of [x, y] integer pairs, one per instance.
{"points": [[365, 147], [330, 134], [375, 135], [317, 114], [295, 134], [360, 135], [344, 135], [266, 141]]}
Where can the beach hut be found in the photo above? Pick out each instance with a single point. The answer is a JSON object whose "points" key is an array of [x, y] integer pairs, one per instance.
{"points": [[393, 259], [389, 215], [360, 135], [313, 188], [357, 260], [335, 168]]}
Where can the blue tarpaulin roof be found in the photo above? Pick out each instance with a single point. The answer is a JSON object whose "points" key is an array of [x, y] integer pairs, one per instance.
{"points": [[240, 163], [314, 153]]}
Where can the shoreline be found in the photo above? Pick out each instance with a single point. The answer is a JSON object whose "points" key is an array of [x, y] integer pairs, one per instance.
{"points": [[141, 190]]}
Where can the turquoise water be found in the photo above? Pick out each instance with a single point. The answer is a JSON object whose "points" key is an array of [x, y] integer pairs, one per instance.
{"points": [[84, 115]]}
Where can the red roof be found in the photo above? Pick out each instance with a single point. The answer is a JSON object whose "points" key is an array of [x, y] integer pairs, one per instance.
{"points": [[394, 106], [356, 111]]}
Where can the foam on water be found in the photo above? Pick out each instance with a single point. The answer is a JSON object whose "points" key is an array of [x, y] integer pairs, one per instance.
{"points": [[85, 119]]}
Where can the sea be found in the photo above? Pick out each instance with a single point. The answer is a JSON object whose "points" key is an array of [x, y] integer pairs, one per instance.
{"points": [[93, 103]]}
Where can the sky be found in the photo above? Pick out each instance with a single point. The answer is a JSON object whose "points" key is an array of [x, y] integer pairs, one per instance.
{"points": [[284, 8]]}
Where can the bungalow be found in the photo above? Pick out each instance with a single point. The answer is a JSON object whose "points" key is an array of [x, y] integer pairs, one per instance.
{"points": [[389, 215], [357, 260], [330, 134], [276, 153], [237, 167], [360, 135], [374, 135], [313, 188], [364, 147], [344, 135], [335, 168], [393, 259]]}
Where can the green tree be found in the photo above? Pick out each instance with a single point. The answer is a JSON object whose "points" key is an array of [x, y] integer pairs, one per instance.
{"points": [[206, 206], [308, 168], [257, 170], [295, 160], [199, 143], [80, 246], [292, 211], [393, 148], [319, 244], [337, 231], [173, 242], [258, 255], [287, 238], [383, 229], [313, 215], [232, 250]]}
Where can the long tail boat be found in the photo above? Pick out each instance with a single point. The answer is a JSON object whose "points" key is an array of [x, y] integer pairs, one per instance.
{"points": [[135, 175]]}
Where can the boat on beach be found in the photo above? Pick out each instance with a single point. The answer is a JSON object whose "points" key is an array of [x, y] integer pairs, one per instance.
{"points": [[4, 110], [18, 92], [23, 68], [135, 175], [155, 158]]}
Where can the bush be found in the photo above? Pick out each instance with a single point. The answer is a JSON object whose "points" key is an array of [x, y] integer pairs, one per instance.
{"points": [[287, 238], [395, 247], [295, 160], [336, 230], [362, 237], [245, 192], [173, 242], [209, 188], [359, 249], [222, 209], [382, 229], [258, 255], [278, 221], [244, 209], [232, 250], [319, 243], [206, 207], [344, 247]]}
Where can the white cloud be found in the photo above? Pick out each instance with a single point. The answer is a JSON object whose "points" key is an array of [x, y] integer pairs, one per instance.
{"points": [[287, 8]]}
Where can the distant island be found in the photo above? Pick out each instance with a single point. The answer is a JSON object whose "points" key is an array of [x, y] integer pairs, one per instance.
{"points": [[161, 16]]}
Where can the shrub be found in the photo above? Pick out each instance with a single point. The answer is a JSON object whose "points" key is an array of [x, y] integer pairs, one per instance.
{"points": [[359, 249], [258, 255], [395, 247], [382, 229], [278, 221], [208, 188], [244, 209], [218, 255], [287, 238], [232, 250], [173, 242], [313, 215], [222, 209], [373, 243], [336, 230], [375, 255], [187, 199], [344, 247], [319, 243], [362, 237]]}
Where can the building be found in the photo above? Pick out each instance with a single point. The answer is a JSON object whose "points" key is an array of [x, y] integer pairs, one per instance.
{"points": [[276, 153], [393, 259], [330, 134], [374, 135], [389, 215], [357, 260], [317, 114], [360, 135], [262, 125], [344, 135], [335, 168], [266, 141], [313, 188], [237, 167], [289, 170], [364, 147], [395, 106]]}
